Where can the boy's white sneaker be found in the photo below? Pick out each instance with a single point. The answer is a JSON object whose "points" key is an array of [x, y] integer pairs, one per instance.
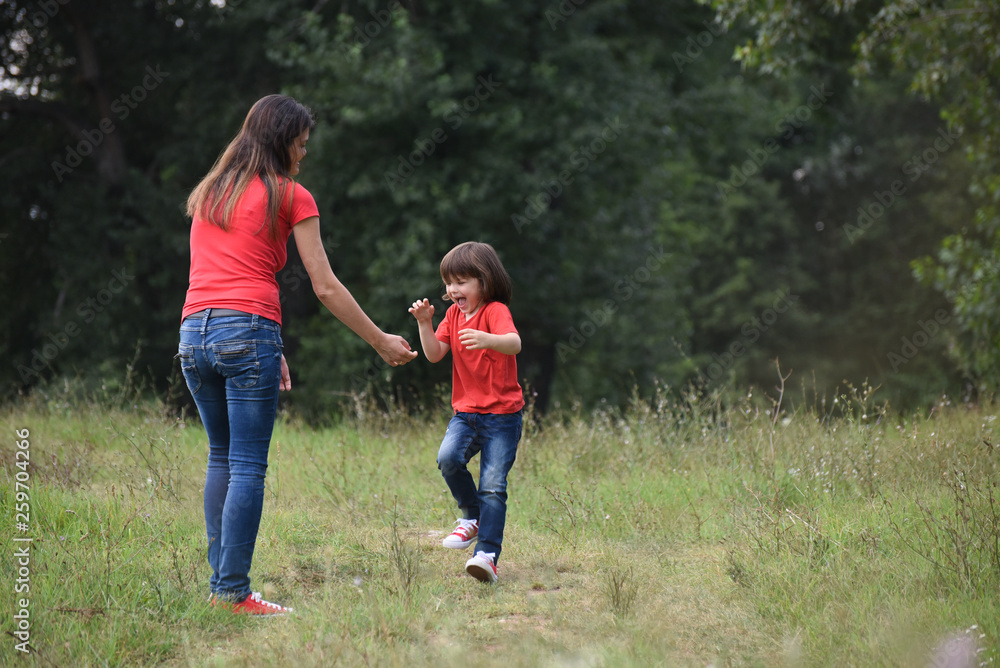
{"points": [[482, 567], [463, 536]]}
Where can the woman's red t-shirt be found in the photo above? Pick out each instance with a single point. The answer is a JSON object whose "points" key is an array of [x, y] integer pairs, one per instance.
{"points": [[483, 381], [236, 268]]}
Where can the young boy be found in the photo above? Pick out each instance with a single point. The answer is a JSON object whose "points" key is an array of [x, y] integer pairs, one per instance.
{"points": [[479, 331]]}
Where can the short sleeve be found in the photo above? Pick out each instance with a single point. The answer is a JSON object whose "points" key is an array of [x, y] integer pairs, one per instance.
{"points": [[443, 333], [499, 319], [302, 205]]}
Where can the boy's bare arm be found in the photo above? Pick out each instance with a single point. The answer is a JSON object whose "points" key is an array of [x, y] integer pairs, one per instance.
{"points": [[473, 339], [434, 350]]}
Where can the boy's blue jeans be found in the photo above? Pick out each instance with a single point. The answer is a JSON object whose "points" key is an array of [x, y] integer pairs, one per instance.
{"points": [[495, 437], [232, 366]]}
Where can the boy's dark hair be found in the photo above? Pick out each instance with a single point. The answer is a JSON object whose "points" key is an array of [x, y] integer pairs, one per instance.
{"points": [[474, 259]]}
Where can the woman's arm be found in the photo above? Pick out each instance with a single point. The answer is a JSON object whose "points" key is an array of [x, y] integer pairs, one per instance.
{"points": [[338, 299]]}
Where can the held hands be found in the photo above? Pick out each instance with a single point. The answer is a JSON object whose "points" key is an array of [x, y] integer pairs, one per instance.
{"points": [[394, 350]]}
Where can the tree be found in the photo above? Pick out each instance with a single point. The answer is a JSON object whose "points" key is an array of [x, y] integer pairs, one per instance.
{"points": [[950, 52], [653, 202], [109, 117], [535, 129]]}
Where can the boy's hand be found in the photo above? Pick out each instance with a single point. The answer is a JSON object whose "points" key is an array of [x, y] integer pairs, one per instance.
{"points": [[422, 310], [473, 339]]}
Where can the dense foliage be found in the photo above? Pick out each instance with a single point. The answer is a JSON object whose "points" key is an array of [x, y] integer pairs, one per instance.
{"points": [[667, 215], [948, 52]]}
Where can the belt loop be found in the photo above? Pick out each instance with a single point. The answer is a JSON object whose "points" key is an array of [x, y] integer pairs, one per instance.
{"points": [[253, 322], [204, 321]]}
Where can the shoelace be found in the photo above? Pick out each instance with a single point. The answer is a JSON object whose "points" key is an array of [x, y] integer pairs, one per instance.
{"points": [[488, 556], [466, 524], [255, 597]]}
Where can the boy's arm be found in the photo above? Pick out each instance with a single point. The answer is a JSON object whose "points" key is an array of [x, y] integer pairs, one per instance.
{"points": [[473, 339], [434, 349]]}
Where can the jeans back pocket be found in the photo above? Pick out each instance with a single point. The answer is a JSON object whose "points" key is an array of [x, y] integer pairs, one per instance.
{"points": [[237, 361], [189, 367]]}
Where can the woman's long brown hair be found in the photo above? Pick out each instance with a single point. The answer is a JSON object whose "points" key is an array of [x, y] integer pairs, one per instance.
{"points": [[262, 148]]}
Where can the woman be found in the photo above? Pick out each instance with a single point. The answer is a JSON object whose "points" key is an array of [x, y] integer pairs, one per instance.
{"points": [[242, 214]]}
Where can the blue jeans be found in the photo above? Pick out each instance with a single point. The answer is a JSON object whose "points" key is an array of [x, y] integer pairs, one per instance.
{"points": [[496, 437], [232, 366]]}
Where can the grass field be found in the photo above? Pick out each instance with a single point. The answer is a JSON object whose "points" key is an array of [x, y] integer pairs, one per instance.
{"points": [[666, 534]]}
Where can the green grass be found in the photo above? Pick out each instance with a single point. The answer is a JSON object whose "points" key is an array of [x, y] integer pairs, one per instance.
{"points": [[665, 534]]}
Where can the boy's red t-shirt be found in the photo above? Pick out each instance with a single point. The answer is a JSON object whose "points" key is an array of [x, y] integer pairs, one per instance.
{"points": [[483, 381], [236, 268]]}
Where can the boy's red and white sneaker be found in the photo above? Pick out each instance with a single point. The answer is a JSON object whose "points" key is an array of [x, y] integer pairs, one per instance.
{"points": [[252, 605], [463, 536], [482, 567]]}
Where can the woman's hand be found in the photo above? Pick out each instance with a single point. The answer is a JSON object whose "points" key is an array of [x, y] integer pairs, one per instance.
{"points": [[286, 377], [394, 350], [338, 299]]}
